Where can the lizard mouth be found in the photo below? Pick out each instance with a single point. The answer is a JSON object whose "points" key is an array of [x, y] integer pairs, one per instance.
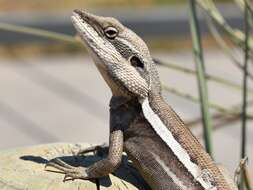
{"points": [[90, 30], [87, 28], [89, 19]]}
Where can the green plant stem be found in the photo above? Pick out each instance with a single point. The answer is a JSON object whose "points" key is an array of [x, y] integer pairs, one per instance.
{"points": [[207, 126], [219, 108], [244, 93], [241, 4], [209, 77], [227, 50], [245, 76], [237, 36], [39, 32]]}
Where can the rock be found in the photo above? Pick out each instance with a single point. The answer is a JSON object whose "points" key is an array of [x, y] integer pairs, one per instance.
{"points": [[24, 169]]}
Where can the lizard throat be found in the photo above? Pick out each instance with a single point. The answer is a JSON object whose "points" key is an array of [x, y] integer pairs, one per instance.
{"points": [[182, 155]]}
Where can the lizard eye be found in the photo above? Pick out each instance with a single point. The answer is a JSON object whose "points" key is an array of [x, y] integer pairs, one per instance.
{"points": [[136, 62], [111, 32]]}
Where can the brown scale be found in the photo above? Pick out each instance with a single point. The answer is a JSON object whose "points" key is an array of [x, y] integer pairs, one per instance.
{"points": [[128, 81], [188, 141], [146, 142]]}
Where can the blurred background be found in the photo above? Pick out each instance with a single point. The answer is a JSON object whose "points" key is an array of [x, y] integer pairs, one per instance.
{"points": [[50, 90]]}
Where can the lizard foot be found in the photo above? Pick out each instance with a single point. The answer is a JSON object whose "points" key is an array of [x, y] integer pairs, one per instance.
{"points": [[71, 172], [99, 150]]}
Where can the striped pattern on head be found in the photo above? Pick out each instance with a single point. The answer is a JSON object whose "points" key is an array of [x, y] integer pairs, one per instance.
{"points": [[121, 55]]}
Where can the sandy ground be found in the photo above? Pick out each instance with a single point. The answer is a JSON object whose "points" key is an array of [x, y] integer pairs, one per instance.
{"points": [[63, 98]]}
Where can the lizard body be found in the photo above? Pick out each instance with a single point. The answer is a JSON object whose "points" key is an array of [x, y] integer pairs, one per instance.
{"points": [[142, 124]]}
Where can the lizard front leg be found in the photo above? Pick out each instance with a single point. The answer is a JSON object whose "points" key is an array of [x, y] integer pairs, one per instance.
{"points": [[98, 169], [98, 150]]}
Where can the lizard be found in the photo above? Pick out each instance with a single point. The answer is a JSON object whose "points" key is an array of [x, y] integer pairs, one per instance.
{"points": [[156, 140]]}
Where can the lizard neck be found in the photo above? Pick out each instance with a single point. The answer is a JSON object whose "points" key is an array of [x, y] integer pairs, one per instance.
{"points": [[153, 115]]}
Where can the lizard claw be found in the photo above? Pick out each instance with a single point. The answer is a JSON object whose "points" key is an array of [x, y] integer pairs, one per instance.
{"points": [[71, 172], [68, 177]]}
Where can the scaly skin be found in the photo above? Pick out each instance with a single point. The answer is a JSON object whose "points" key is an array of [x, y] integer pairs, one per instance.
{"points": [[163, 150]]}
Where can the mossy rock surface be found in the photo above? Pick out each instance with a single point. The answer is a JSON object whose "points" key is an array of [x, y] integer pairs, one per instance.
{"points": [[24, 169]]}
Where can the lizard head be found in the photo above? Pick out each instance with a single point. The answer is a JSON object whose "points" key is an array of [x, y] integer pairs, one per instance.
{"points": [[121, 56]]}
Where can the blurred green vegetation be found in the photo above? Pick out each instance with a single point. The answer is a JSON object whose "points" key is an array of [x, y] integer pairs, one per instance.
{"points": [[16, 5]]}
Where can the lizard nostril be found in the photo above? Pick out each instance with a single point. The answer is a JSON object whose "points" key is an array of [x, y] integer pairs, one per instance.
{"points": [[77, 11]]}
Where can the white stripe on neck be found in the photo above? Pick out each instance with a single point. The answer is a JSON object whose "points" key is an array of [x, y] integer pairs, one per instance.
{"points": [[175, 146], [170, 173]]}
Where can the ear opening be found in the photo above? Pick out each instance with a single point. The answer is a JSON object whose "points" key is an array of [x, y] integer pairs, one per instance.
{"points": [[136, 62]]}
